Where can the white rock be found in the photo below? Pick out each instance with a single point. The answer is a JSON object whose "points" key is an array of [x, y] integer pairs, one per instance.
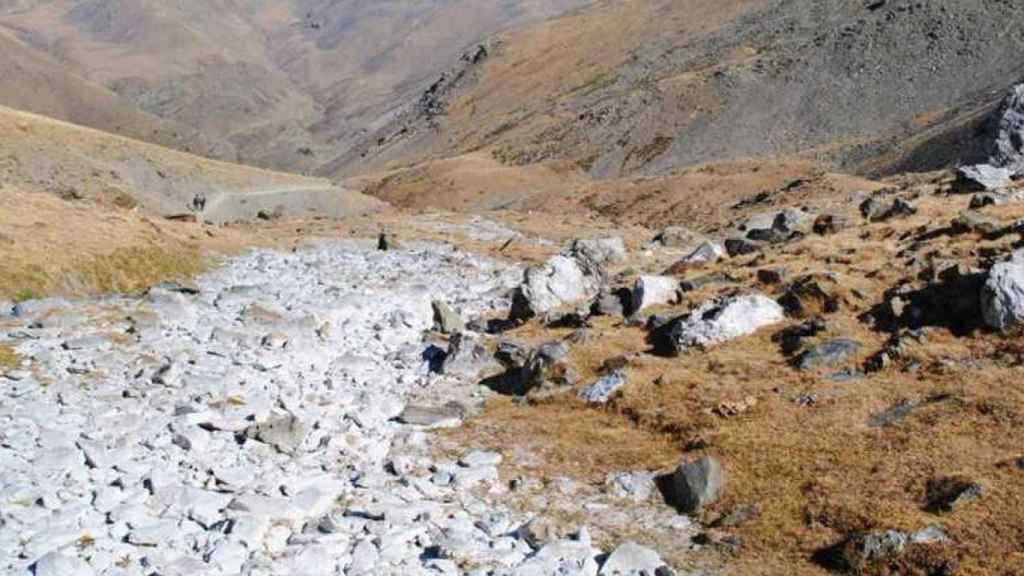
{"points": [[58, 564], [1002, 296], [631, 559], [720, 321], [560, 281], [653, 291]]}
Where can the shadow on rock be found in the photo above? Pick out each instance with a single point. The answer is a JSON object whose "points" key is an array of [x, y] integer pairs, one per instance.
{"points": [[953, 303]]}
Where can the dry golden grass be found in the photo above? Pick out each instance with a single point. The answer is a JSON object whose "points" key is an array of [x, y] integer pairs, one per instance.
{"points": [[9, 358], [56, 247], [819, 472]]}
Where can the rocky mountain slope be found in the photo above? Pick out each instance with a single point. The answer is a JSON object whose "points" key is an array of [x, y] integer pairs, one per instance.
{"points": [[647, 87], [285, 85]]}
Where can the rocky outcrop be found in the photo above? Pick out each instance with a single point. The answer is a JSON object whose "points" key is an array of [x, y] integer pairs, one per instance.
{"points": [[1002, 296], [718, 321], [698, 484], [561, 280]]}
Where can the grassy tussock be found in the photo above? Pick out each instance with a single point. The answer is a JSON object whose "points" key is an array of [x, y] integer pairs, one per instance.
{"points": [[128, 269]]}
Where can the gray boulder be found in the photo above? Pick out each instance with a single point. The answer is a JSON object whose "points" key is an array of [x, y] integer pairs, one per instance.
{"points": [[468, 359], [285, 432], [1008, 147], [698, 484], [548, 369], [601, 391], [719, 321], [982, 178], [446, 320], [828, 354], [1002, 296], [679, 237], [559, 281], [600, 251], [707, 253]]}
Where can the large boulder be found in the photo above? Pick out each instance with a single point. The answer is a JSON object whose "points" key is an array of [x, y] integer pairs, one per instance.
{"points": [[1008, 147], [679, 237], [1002, 296], [467, 358], [982, 178], [559, 281], [718, 321], [707, 253], [600, 251], [698, 484]]}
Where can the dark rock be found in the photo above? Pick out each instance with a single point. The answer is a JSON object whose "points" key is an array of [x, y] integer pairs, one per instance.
{"points": [[874, 210], [946, 494], [971, 221], [691, 284], [511, 355], [718, 539], [811, 295], [771, 275], [996, 198], [791, 338], [698, 484], [828, 224], [828, 354], [740, 247]]}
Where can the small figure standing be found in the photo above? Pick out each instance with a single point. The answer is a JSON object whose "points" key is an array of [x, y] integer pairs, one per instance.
{"points": [[199, 202], [382, 242]]}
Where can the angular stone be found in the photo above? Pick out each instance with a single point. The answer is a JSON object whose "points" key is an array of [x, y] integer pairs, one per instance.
{"points": [[828, 354], [707, 253], [560, 281], [679, 237], [654, 291], [285, 432], [431, 417], [599, 251], [1002, 296], [632, 559], [468, 359], [982, 178], [601, 391], [446, 320], [718, 321], [698, 484]]}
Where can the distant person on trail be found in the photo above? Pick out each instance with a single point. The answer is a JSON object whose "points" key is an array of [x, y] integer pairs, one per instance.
{"points": [[199, 202]]}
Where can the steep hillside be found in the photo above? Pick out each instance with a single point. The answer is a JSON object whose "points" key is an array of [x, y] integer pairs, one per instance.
{"points": [[38, 154], [82, 210], [648, 86], [29, 80], [283, 84]]}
